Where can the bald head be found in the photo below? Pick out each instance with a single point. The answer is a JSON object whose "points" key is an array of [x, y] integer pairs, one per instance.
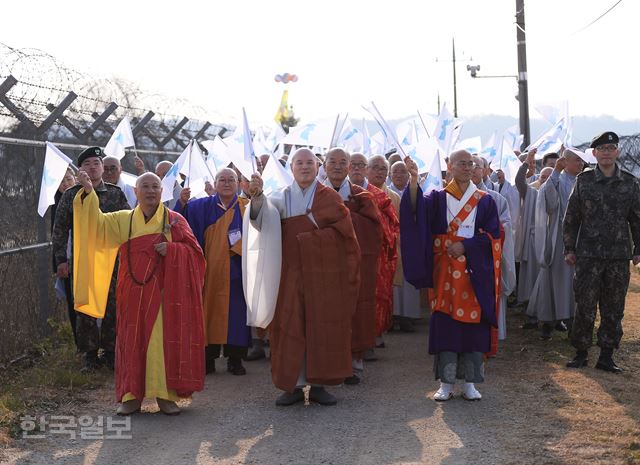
{"points": [[399, 174], [459, 155], [378, 170], [357, 168], [336, 165], [148, 191], [304, 166], [147, 177], [162, 168], [226, 171]]}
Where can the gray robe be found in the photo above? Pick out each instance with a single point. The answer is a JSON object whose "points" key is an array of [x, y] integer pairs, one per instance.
{"points": [[552, 297], [406, 298], [525, 246]]}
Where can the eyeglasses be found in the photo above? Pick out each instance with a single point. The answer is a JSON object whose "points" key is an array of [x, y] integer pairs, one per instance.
{"points": [[607, 148], [465, 164], [359, 166]]}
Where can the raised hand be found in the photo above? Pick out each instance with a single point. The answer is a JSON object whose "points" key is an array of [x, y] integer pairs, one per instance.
{"points": [[412, 167], [255, 185], [139, 165], [85, 181], [185, 195]]}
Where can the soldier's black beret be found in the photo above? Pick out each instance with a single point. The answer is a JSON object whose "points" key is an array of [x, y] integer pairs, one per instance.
{"points": [[608, 137], [90, 152]]}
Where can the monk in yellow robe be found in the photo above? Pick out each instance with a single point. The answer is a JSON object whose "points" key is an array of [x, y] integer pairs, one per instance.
{"points": [[160, 343]]}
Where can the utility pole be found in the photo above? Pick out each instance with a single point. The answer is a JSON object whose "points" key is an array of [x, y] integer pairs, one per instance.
{"points": [[523, 89], [455, 89]]}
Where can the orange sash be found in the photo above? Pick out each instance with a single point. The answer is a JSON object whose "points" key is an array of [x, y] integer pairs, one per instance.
{"points": [[452, 291]]}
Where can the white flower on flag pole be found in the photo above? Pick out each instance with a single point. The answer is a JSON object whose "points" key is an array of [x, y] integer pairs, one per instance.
{"points": [[53, 171], [121, 138]]}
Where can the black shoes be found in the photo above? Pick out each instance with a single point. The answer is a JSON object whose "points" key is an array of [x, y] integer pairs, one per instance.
{"points": [[352, 380], [289, 398], [256, 352], [316, 394], [108, 359], [322, 397], [545, 335], [530, 325], [406, 325], [210, 365], [234, 366], [606, 363], [580, 360]]}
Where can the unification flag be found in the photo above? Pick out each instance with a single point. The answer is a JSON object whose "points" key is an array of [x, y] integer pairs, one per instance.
{"points": [[169, 180], [434, 176], [121, 138], [53, 171]]}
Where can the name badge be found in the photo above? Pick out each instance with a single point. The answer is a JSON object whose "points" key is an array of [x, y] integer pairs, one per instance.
{"points": [[466, 231], [234, 236]]}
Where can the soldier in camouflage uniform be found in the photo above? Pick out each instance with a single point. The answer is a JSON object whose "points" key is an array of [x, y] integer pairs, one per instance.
{"points": [[90, 335], [601, 232]]}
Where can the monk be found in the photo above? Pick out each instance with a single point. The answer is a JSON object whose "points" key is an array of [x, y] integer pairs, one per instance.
{"points": [[376, 168], [366, 224], [319, 282], [160, 344], [216, 222], [450, 241]]}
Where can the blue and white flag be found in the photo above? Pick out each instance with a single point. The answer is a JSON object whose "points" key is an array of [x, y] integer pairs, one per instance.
{"points": [[366, 142], [492, 147], [169, 180], [473, 145], [249, 154], [316, 133], [53, 171], [275, 176], [548, 141], [444, 129], [507, 161], [121, 138], [433, 180]]}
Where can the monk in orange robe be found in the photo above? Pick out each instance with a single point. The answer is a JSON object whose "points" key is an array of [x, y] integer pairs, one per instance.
{"points": [[391, 230], [366, 224], [160, 344], [311, 327]]}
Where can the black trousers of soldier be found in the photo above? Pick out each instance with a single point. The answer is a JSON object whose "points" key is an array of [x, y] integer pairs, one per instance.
{"points": [[599, 283]]}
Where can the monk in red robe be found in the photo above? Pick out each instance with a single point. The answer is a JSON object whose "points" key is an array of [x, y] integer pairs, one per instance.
{"points": [[160, 344], [389, 253], [366, 224], [311, 327]]}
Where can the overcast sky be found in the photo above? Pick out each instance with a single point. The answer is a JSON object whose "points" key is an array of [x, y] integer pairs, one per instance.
{"points": [[224, 54]]}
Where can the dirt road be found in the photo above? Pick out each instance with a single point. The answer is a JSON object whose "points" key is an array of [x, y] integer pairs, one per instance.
{"points": [[533, 411]]}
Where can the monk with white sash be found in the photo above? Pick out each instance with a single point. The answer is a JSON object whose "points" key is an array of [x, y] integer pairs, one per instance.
{"points": [[450, 242]]}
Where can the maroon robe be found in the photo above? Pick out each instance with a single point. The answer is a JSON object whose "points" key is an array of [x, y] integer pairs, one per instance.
{"points": [[317, 295], [176, 283]]}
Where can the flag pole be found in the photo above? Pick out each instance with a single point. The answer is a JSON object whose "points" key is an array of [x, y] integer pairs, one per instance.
{"points": [[423, 125], [393, 134], [333, 134], [190, 153]]}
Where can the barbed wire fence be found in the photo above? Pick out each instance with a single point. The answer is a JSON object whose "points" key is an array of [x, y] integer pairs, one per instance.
{"points": [[42, 100]]}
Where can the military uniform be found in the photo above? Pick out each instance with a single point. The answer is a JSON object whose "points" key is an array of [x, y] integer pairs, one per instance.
{"points": [[90, 337], [602, 228]]}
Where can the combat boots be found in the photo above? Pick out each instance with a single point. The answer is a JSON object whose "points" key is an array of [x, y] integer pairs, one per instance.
{"points": [[606, 363], [580, 360]]}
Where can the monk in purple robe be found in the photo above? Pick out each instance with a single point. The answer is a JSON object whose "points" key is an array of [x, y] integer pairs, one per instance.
{"points": [[450, 244], [216, 222]]}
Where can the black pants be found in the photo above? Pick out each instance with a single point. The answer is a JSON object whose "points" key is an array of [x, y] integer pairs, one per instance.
{"points": [[234, 352], [70, 310]]}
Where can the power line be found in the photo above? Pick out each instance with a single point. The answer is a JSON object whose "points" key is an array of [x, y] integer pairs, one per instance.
{"points": [[598, 18]]}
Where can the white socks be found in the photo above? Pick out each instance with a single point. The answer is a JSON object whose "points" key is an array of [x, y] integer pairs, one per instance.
{"points": [[469, 392], [444, 393]]}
